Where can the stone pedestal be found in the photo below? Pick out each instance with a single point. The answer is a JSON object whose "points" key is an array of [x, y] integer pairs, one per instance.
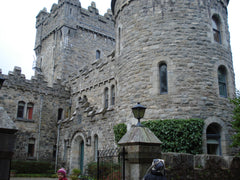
{"points": [[141, 146], [7, 145]]}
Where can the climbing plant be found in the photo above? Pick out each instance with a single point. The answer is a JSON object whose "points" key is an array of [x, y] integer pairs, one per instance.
{"points": [[236, 122], [119, 131], [177, 135]]}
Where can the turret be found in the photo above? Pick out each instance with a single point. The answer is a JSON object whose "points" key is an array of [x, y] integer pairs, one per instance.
{"points": [[175, 58]]}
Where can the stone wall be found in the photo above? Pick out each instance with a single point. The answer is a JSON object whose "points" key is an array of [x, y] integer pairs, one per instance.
{"points": [[186, 166], [43, 125]]}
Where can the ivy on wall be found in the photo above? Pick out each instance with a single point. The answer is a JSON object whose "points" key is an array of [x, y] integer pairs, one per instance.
{"points": [[119, 131], [177, 135]]}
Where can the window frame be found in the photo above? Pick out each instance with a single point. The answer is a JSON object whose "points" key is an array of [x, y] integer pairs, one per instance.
{"points": [[21, 109], [216, 28]]}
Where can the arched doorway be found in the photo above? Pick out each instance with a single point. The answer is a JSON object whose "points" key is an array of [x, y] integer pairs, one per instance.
{"points": [[77, 153], [214, 139]]}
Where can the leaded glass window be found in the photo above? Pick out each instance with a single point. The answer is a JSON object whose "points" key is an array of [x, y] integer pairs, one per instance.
{"points": [[222, 81], [163, 79]]}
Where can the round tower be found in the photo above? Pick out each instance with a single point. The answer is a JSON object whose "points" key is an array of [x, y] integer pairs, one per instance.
{"points": [[175, 58]]}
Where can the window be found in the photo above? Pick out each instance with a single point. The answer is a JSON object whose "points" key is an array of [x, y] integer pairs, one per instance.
{"points": [[106, 98], [95, 147], [68, 112], [98, 54], [119, 40], [29, 111], [113, 95], [31, 147], [163, 78], [60, 113], [54, 152], [20, 111], [214, 139], [222, 81], [216, 28]]}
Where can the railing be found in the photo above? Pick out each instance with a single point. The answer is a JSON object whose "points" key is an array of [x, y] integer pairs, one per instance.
{"points": [[111, 164]]}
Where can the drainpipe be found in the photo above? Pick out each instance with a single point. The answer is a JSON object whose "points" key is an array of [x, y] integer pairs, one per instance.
{"points": [[39, 126], [58, 134]]}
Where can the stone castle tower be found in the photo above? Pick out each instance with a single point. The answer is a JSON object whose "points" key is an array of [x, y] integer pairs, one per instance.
{"points": [[69, 37], [175, 58], [172, 56]]}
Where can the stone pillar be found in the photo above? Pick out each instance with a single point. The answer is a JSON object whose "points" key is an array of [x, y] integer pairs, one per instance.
{"points": [[141, 146]]}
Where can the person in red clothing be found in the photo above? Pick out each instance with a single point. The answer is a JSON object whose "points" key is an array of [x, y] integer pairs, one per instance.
{"points": [[61, 173]]}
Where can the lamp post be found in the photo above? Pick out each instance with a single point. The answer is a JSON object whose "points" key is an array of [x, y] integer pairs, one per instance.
{"points": [[138, 112], [1, 81]]}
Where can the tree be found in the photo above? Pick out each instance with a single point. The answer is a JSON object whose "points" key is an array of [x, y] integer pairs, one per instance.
{"points": [[236, 122]]}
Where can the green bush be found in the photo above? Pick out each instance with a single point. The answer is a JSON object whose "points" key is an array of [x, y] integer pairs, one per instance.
{"points": [[119, 131], [75, 173], [178, 135], [32, 167], [236, 120]]}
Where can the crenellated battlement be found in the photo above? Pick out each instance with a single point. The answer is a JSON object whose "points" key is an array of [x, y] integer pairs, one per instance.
{"points": [[118, 5], [68, 37], [16, 80], [87, 18]]}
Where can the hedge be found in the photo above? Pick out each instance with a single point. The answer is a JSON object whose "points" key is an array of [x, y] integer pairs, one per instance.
{"points": [[32, 167], [178, 135]]}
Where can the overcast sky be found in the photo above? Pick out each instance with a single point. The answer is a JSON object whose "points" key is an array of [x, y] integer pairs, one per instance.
{"points": [[17, 32]]}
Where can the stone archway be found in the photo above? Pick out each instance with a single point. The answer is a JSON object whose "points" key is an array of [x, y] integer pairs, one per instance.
{"points": [[214, 139], [77, 152], [215, 134]]}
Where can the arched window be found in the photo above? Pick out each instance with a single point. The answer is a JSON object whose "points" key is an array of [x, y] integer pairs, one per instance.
{"points": [[20, 111], [95, 147], [163, 78], [98, 54], [106, 98], [216, 28], [60, 114], [214, 139], [29, 111], [119, 40], [113, 95], [222, 81]]}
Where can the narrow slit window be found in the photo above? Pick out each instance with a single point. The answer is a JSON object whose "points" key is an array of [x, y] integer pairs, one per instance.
{"points": [[106, 98], [60, 114], [163, 79], [113, 95], [98, 54], [222, 81]]}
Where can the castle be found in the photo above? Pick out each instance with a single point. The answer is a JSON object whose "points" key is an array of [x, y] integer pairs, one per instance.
{"points": [[172, 56]]}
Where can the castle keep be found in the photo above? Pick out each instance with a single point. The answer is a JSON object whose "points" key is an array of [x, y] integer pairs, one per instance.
{"points": [[172, 56]]}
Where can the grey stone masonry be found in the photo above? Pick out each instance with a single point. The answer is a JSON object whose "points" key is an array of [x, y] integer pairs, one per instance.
{"points": [[68, 37], [41, 128]]}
